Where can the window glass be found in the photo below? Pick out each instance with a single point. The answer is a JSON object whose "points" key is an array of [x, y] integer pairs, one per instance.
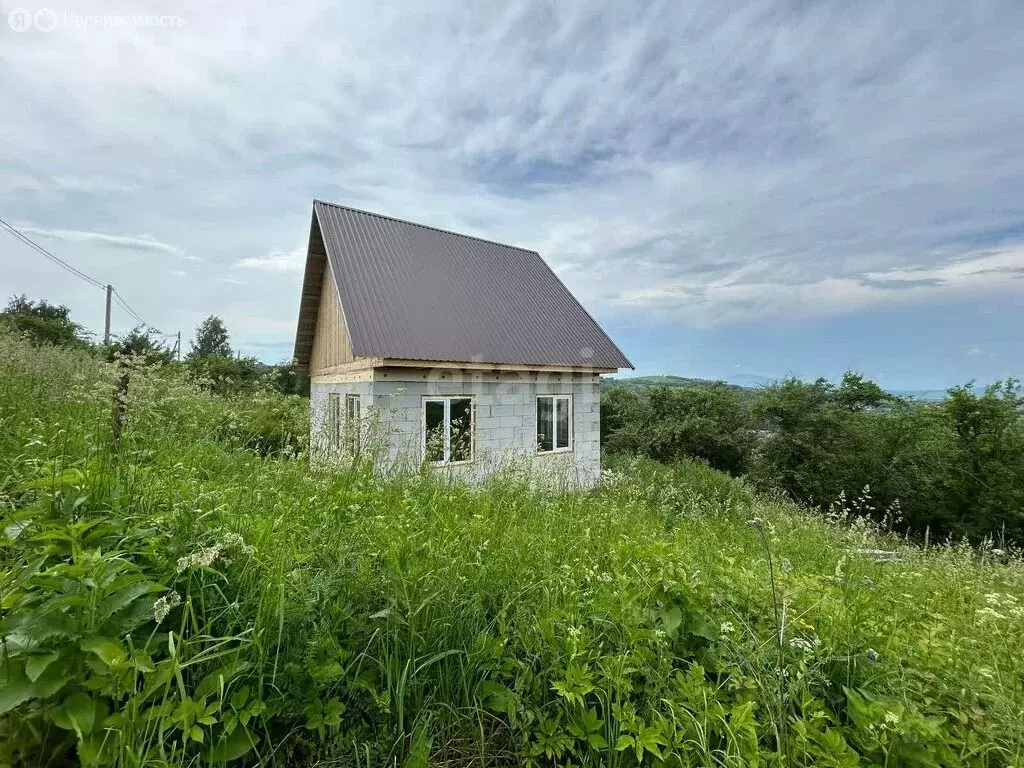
{"points": [[561, 422], [461, 421], [435, 437], [545, 424], [352, 422], [334, 420]]}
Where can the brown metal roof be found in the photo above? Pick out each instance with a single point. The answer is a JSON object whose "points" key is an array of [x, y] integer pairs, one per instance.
{"points": [[414, 292]]}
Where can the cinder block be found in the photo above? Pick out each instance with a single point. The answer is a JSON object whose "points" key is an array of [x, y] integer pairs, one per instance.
{"points": [[498, 411], [515, 422]]}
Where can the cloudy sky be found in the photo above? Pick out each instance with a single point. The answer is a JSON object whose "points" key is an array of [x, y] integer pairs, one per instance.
{"points": [[798, 187]]}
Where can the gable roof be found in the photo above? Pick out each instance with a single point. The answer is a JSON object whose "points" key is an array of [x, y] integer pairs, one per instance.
{"points": [[410, 291]]}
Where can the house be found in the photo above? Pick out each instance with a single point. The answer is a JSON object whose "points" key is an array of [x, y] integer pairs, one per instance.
{"points": [[427, 346]]}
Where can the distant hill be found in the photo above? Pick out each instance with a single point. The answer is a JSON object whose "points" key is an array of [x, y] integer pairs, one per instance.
{"points": [[672, 382], [637, 383], [929, 395]]}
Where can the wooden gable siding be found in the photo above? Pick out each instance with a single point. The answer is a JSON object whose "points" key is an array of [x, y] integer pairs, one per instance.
{"points": [[331, 343]]}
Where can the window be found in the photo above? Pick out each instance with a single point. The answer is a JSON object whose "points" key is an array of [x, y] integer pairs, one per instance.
{"points": [[334, 421], [554, 423], [352, 423], [447, 430]]}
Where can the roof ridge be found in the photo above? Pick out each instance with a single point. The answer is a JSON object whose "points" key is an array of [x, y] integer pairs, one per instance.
{"points": [[423, 226]]}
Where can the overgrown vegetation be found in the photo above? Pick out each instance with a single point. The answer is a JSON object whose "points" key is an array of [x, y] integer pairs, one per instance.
{"points": [[203, 598], [948, 469]]}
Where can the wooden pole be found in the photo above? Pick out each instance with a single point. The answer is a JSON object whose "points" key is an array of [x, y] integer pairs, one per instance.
{"points": [[120, 403], [106, 319]]}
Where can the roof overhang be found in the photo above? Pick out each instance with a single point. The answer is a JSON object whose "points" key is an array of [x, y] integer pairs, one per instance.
{"points": [[309, 301]]}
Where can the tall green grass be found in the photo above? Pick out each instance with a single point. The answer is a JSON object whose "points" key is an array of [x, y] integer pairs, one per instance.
{"points": [[202, 597]]}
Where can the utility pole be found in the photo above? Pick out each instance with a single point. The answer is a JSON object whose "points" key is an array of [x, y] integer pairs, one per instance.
{"points": [[177, 346], [106, 319]]}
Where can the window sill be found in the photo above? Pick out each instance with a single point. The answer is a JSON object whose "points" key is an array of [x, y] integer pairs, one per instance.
{"points": [[553, 452], [444, 464]]}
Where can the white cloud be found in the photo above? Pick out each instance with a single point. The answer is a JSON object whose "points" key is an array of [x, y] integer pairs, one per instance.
{"points": [[281, 261], [735, 298], [134, 243]]}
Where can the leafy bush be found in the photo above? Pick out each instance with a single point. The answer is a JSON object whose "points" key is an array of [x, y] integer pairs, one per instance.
{"points": [[709, 423], [950, 469]]}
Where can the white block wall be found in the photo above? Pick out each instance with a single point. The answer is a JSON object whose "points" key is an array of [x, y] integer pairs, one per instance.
{"points": [[318, 407], [505, 429]]}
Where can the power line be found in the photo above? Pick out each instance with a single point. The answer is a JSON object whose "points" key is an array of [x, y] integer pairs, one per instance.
{"points": [[121, 301], [32, 244]]}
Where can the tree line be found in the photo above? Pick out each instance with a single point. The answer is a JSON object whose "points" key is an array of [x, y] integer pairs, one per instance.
{"points": [[953, 468], [210, 360]]}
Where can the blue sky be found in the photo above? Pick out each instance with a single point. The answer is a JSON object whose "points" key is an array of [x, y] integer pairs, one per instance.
{"points": [[731, 189]]}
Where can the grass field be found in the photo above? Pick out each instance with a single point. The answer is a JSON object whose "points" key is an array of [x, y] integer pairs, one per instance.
{"points": [[189, 601]]}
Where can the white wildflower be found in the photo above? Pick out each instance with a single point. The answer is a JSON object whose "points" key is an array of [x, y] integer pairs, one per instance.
{"points": [[727, 628], [892, 718], [232, 540], [202, 558], [988, 613], [163, 606], [802, 643]]}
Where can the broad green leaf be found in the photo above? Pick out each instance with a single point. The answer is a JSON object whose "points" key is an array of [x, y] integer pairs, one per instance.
{"points": [[52, 624], [671, 619], [333, 710], [110, 651], [14, 686], [123, 597], [231, 747], [36, 665], [142, 661], [76, 714], [419, 753]]}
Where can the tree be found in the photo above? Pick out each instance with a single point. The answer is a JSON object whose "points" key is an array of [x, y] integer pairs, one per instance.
{"points": [[224, 375], [986, 481], [142, 343], [43, 322], [211, 339], [286, 380], [706, 422]]}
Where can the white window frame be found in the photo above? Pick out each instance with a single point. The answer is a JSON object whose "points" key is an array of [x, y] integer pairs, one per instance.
{"points": [[447, 400], [334, 415], [554, 424], [353, 415]]}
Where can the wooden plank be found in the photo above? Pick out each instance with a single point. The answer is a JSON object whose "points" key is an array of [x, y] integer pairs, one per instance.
{"points": [[331, 344], [358, 364]]}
